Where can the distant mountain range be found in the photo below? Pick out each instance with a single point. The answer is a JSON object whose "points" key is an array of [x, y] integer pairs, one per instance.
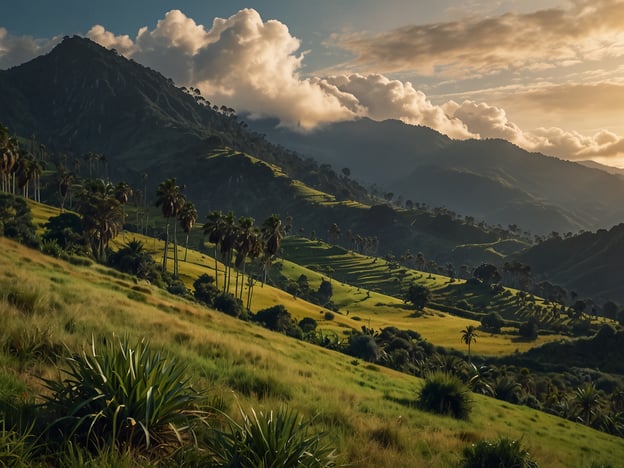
{"points": [[492, 180]]}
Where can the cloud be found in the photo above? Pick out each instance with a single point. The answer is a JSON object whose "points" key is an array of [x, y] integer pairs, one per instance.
{"points": [[15, 50], [492, 122], [588, 30], [383, 98], [255, 66]]}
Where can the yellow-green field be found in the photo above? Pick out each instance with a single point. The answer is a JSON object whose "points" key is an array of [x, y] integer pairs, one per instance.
{"points": [[67, 304]]}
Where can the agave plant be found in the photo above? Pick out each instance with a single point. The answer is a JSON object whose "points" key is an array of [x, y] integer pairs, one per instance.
{"points": [[273, 439], [125, 395]]}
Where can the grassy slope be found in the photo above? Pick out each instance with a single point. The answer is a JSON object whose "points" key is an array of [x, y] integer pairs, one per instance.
{"points": [[381, 310], [228, 356]]}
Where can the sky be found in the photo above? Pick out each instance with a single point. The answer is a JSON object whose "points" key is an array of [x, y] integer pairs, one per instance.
{"points": [[546, 75]]}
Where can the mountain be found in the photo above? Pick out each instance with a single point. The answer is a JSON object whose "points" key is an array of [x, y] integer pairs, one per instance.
{"points": [[492, 180], [83, 98], [589, 263], [603, 167]]}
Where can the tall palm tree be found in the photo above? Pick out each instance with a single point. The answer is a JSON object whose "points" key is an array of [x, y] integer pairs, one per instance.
{"points": [[187, 218], [101, 217], [123, 192], [228, 243], [170, 199], [214, 228], [245, 241], [64, 180], [272, 235], [469, 336]]}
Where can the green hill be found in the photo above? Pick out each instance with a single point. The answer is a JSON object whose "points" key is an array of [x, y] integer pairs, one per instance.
{"points": [[249, 366]]}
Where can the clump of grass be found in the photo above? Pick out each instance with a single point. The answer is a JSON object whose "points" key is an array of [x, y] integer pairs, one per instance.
{"points": [[276, 438], [503, 453], [16, 448], [248, 383], [387, 437], [445, 393], [125, 395]]}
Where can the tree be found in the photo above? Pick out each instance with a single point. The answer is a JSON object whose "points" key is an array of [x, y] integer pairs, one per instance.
{"points": [[187, 218], [214, 229], [418, 295], [170, 199], [487, 273], [101, 216], [610, 310], [493, 321], [123, 192], [468, 337], [272, 235], [587, 398]]}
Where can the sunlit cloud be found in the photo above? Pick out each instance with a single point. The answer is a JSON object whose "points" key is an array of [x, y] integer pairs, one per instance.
{"points": [[15, 50], [587, 30], [255, 66]]}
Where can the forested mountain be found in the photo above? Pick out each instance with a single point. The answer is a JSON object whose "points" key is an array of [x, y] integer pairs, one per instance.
{"points": [[489, 179], [589, 263], [82, 98]]}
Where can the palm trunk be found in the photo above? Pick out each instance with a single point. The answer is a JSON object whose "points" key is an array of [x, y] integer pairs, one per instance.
{"points": [[186, 247], [216, 268], [166, 247], [175, 250]]}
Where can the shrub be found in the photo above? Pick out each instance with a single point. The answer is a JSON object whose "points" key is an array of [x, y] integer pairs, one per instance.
{"points": [[493, 321], [329, 316], [16, 220], [503, 453], [205, 289], [364, 347], [178, 288], [124, 395], [277, 438], [275, 318], [307, 324], [528, 329], [446, 394], [227, 303]]}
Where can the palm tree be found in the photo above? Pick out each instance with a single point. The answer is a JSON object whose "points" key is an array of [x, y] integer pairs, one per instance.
{"points": [[214, 229], [64, 180], [272, 235], [228, 243], [469, 336], [245, 243], [187, 218], [587, 398], [169, 197], [101, 217], [123, 192]]}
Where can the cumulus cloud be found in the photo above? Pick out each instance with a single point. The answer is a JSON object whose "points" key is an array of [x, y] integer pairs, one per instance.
{"points": [[587, 30], [255, 66], [15, 50], [492, 122], [383, 98]]}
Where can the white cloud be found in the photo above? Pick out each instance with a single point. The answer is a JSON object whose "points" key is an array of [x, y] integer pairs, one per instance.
{"points": [[15, 50], [255, 66]]}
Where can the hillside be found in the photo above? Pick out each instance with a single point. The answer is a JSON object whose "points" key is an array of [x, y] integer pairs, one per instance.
{"points": [[249, 366], [81, 100], [588, 263], [489, 179]]}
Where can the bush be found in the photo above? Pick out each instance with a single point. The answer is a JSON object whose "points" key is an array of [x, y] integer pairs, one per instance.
{"points": [[275, 318], [493, 321], [307, 324], [227, 303], [528, 329], [123, 395], [135, 260], [277, 438], [205, 289], [178, 288], [446, 394], [16, 220], [503, 453], [364, 347]]}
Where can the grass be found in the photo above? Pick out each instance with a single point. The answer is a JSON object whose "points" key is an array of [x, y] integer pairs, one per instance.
{"points": [[351, 403]]}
